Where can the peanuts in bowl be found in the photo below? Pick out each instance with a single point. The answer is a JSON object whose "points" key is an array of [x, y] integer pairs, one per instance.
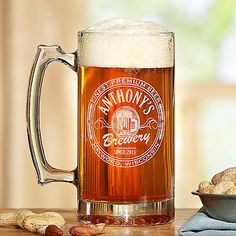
{"points": [[219, 196], [222, 183]]}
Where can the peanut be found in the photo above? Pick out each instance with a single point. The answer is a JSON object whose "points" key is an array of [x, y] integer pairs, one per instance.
{"points": [[203, 186], [35, 223], [222, 187], [226, 175], [207, 189], [84, 230], [53, 230], [216, 178], [231, 191]]}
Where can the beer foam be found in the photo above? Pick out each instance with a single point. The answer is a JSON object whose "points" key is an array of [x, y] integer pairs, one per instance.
{"points": [[123, 43]]}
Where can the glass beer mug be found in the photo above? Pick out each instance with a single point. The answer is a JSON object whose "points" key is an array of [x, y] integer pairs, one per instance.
{"points": [[125, 172]]}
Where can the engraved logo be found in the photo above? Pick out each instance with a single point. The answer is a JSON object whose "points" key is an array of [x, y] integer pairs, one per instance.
{"points": [[125, 123]]}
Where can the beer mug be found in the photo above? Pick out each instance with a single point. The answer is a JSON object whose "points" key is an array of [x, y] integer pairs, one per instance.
{"points": [[125, 172]]}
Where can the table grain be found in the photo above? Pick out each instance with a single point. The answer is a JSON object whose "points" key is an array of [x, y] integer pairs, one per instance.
{"points": [[70, 216]]}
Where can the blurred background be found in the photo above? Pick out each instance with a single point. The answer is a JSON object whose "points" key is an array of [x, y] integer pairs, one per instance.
{"points": [[205, 90]]}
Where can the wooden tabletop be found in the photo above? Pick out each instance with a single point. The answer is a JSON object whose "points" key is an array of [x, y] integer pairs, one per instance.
{"points": [[70, 216]]}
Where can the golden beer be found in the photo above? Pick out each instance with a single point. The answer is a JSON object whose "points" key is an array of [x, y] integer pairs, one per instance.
{"points": [[149, 181]]}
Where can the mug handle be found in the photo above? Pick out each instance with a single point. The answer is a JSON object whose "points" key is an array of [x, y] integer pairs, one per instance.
{"points": [[44, 56]]}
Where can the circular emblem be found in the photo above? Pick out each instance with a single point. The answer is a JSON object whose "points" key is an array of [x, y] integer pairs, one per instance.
{"points": [[125, 122]]}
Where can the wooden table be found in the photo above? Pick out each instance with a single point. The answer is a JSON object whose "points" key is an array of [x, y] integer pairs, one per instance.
{"points": [[71, 217]]}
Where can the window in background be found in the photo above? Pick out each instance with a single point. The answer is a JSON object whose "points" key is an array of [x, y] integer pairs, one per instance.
{"points": [[205, 81]]}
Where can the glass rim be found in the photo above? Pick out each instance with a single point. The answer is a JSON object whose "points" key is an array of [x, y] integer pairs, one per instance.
{"points": [[139, 34]]}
